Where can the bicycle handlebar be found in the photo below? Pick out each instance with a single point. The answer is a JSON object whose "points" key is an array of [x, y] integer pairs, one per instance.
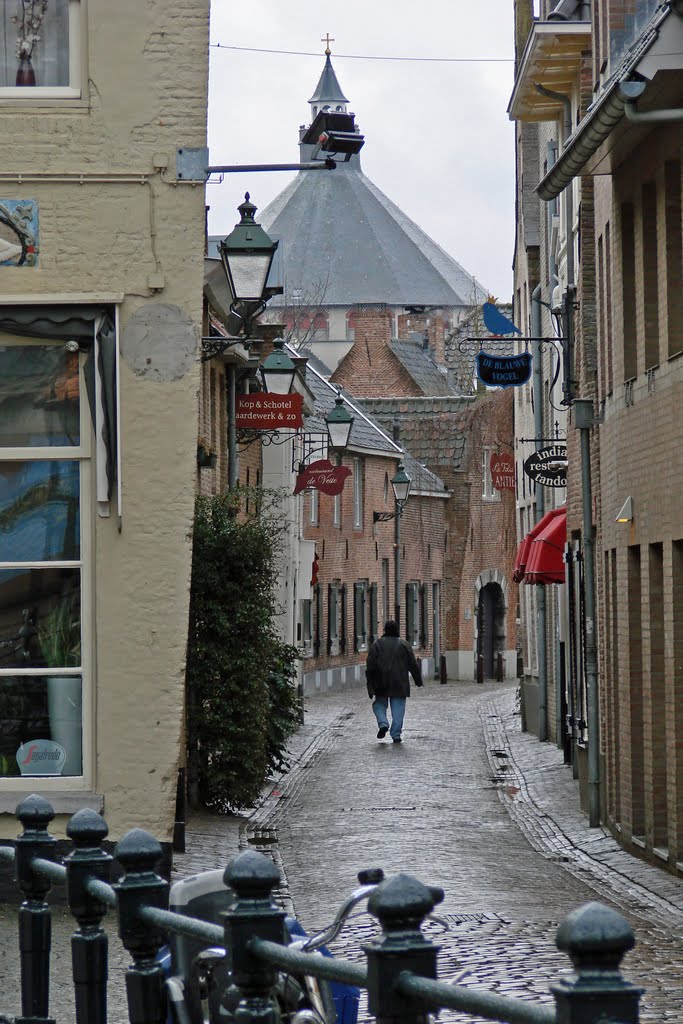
{"points": [[369, 880]]}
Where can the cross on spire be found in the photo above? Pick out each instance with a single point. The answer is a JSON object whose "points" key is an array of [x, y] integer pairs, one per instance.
{"points": [[327, 40]]}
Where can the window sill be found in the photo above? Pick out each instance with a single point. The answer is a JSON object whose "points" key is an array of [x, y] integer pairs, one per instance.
{"points": [[63, 801]]}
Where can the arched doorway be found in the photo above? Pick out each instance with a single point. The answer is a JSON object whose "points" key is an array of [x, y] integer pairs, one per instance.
{"points": [[490, 639]]}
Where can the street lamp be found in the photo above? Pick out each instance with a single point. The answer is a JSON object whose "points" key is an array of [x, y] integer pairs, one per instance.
{"points": [[277, 370], [339, 422], [247, 256], [400, 484]]}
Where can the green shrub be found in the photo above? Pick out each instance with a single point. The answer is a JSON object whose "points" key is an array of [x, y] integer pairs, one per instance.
{"points": [[239, 718]]}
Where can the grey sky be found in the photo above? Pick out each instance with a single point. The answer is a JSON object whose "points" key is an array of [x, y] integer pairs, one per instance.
{"points": [[438, 139]]}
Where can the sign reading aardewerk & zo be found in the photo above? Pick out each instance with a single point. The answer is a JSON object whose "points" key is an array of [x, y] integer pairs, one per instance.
{"points": [[263, 411], [548, 466]]}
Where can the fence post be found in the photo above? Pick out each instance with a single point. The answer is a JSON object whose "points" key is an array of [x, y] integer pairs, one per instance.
{"points": [[401, 905], [253, 914], [89, 945], [596, 938], [35, 918], [138, 853]]}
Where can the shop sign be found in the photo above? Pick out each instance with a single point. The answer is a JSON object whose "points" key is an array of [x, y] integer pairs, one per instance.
{"points": [[322, 476], [542, 466], [503, 372], [41, 757], [502, 472], [263, 411]]}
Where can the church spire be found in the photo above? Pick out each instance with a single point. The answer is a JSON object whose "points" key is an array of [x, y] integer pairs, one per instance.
{"points": [[328, 94]]}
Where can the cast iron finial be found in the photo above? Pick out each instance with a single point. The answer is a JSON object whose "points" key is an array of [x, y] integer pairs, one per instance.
{"points": [[252, 876], [595, 936]]}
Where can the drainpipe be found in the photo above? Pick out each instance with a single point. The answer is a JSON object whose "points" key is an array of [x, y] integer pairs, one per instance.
{"points": [[537, 388], [397, 544], [232, 431], [583, 421]]}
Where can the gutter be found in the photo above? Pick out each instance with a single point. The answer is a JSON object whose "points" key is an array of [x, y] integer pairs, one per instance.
{"points": [[604, 115]]}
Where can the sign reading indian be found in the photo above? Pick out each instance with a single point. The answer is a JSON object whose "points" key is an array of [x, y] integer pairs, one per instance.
{"points": [[322, 476], [502, 472], [264, 411]]}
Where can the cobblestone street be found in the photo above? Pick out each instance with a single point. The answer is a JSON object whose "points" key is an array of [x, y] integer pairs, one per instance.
{"points": [[467, 802]]}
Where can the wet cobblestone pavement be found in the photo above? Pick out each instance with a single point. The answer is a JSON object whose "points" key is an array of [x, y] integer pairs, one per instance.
{"points": [[467, 802]]}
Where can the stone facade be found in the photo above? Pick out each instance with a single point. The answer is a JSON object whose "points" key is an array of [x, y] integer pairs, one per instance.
{"points": [[116, 233]]}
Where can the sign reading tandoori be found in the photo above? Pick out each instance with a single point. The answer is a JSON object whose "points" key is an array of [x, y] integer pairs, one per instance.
{"points": [[264, 411]]}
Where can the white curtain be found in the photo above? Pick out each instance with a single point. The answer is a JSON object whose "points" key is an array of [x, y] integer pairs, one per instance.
{"points": [[50, 58]]}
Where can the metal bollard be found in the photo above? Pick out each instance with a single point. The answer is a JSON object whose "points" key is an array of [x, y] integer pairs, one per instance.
{"points": [[139, 853], [35, 918], [89, 945], [596, 938], [401, 905], [253, 914]]}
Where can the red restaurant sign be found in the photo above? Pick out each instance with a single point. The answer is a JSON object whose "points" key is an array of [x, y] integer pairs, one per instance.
{"points": [[263, 411], [322, 476], [503, 472]]}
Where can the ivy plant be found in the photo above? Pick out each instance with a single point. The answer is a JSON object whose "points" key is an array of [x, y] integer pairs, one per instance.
{"points": [[242, 704]]}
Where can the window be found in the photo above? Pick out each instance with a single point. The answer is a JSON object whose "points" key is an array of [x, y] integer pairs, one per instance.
{"points": [[488, 492], [314, 506], [412, 613], [358, 494], [306, 626], [50, 66], [336, 511], [360, 623], [44, 483]]}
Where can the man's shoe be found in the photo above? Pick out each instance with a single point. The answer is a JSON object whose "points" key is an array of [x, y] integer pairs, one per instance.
{"points": [[397, 739], [382, 731]]}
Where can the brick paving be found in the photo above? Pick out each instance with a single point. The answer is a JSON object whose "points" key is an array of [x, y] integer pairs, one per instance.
{"points": [[468, 802]]}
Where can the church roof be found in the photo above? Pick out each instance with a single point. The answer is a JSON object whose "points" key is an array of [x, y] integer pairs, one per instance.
{"points": [[328, 89], [342, 238]]}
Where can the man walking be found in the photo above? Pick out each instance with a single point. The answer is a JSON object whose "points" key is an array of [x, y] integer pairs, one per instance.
{"points": [[390, 664]]}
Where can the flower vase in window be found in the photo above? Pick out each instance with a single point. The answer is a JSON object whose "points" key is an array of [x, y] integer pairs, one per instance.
{"points": [[28, 22]]}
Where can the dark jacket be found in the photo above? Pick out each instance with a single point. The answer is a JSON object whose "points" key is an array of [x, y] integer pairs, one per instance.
{"points": [[390, 664]]}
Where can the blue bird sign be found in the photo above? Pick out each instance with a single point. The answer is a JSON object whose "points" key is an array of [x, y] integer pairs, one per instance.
{"points": [[495, 321]]}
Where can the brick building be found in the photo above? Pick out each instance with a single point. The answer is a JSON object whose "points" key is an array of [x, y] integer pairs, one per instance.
{"points": [[623, 156]]}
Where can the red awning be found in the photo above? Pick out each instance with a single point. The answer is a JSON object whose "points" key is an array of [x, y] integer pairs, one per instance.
{"points": [[540, 557]]}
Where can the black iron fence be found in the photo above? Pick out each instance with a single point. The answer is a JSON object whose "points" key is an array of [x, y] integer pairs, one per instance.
{"points": [[401, 966]]}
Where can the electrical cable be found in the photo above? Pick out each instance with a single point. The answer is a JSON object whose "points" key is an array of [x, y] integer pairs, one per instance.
{"points": [[369, 56]]}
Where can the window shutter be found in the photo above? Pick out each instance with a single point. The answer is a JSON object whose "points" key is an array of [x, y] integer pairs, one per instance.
{"points": [[373, 613], [329, 618], [356, 616], [424, 631], [317, 610], [342, 619]]}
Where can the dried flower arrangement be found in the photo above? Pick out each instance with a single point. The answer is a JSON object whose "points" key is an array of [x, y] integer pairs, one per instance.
{"points": [[28, 22]]}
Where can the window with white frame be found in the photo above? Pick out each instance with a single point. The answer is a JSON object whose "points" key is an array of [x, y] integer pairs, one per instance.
{"points": [[40, 44], [314, 505], [358, 494], [488, 491], [44, 484], [336, 511], [307, 625]]}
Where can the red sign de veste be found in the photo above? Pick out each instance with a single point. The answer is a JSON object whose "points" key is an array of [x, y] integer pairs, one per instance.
{"points": [[263, 411], [322, 476]]}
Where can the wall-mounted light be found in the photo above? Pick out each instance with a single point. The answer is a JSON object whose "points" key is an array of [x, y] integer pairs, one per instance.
{"points": [[626, 512], [277, 370], [339, 422], [400, 484]]}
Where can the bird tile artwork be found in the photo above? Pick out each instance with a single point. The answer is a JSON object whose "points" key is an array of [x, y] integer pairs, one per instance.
{"points": [[18, 233]]}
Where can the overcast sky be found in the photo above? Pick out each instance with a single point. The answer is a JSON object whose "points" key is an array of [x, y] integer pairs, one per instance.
{"points": [[438, 139]]}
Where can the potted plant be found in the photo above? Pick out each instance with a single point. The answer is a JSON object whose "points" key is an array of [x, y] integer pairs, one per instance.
{"points": [[59, 635], [206, 455]]}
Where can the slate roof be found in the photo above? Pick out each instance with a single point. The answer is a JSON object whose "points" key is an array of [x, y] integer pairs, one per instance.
{"points": [[341, 234], [423, 368], [328, 89], [433, 430], [366, 432]]}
